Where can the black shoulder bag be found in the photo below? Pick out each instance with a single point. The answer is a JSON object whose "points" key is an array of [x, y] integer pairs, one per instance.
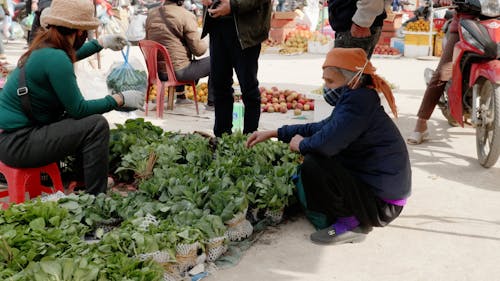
{"points": [[23, 94]]}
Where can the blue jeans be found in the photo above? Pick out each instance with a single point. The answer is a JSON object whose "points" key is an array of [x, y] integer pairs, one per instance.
{"points": [[226, 54]]}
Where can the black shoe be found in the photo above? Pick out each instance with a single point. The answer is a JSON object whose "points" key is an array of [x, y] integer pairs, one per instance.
{"points": [[328, 236]]}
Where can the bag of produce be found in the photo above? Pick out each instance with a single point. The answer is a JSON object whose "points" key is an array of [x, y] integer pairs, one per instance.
{"points": [[125, 77]]}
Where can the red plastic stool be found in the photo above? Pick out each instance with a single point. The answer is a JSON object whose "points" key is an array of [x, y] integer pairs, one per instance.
{"points": [[22, 180]]}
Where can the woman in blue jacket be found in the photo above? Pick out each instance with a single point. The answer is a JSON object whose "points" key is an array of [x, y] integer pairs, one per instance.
{"points": [[356, 169]]}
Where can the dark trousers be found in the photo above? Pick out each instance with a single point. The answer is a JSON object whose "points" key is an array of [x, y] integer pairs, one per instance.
{"points": [[345, 40], [194, 71], [331, 190], [226, 54], [87, 139], [436, 86]]}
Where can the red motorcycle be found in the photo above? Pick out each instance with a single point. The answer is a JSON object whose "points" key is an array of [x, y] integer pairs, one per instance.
{"points": [[474, 91]]}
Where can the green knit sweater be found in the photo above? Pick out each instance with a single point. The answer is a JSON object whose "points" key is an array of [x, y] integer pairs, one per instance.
{"points": [[53, 90]]}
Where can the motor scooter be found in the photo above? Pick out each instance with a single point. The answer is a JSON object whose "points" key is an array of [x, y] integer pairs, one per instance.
{"points": [[473, 89]]}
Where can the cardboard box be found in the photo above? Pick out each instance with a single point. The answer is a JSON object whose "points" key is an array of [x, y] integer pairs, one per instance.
{"points": [[393, 22], [278, 23], [284, 15]]}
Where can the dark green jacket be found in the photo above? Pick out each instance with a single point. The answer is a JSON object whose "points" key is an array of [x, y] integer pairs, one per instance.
{"points": [[53, 90], [252, 19]]}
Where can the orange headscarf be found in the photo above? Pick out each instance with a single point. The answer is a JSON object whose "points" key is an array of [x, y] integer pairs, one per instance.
{"points": [[354, 59]]}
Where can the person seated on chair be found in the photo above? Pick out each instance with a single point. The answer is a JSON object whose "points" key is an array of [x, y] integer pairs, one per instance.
{"points": [[356, 169], [43, 115], [177, 29]]}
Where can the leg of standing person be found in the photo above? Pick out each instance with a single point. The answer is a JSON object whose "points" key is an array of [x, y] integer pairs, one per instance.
{"points": [[35, 26], [223, 39], [433, 92], [2, 50], [87, 137], [246, 65]]}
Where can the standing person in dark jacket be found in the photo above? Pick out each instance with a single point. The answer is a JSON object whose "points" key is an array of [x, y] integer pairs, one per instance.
{"points": [[357, 23], [237, 28], [38, 7], [356, 169]]}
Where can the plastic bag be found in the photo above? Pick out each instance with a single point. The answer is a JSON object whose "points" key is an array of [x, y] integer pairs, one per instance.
{"points": [[125, 77], [137, 28], [27, 22]]}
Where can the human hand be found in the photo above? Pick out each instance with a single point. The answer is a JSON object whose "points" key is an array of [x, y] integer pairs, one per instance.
{"points": [[295, 143], [132, 99], [359, 31], [114, 42], [257, 137], [223, 9]]}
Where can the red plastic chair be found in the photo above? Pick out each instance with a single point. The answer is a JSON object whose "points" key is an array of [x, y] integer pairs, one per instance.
{"points": [[150, 50], [22, 180]]}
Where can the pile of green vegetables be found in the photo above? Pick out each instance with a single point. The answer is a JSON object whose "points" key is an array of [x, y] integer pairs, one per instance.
{"points": [[189, 183]]}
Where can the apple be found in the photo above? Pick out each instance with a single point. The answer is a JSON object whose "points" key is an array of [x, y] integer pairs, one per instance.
{"points": [[307, 107], [274, 88], [276, 107], [262, 89], [275, 100], [283, 109], [311, 105], [302, 101], [297, 112], [263, 100], [270, 109], [299, 106], [289, 105]]}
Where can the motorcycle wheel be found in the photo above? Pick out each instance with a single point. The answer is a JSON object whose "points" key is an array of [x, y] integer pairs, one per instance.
{"points": [[488, 129]]}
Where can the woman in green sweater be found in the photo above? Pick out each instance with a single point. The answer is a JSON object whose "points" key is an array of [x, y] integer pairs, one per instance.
{"points": [[43, 115]]}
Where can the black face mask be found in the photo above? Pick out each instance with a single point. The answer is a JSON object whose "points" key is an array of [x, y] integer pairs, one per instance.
{"points": [[80, 40], [331, 96]]}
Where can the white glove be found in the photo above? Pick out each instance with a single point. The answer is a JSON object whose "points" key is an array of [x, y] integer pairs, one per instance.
{"points": [[132, 100], [114, 42]]}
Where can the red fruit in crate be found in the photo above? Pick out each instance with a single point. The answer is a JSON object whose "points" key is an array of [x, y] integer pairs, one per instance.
{"points": [[289, 105], [307, 107], [270, 109], [274, 100], [302, 101], [276, 94], [311, 105], [275, 89], [283, 109], [263, 100], [299, 106], [262, 89]]}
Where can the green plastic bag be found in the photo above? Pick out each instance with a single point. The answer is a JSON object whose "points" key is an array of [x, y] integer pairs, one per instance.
{"points": [[319, 220]]}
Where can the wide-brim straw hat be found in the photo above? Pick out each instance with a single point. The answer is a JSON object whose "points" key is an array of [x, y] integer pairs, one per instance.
{"points": [[74, 14]]}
